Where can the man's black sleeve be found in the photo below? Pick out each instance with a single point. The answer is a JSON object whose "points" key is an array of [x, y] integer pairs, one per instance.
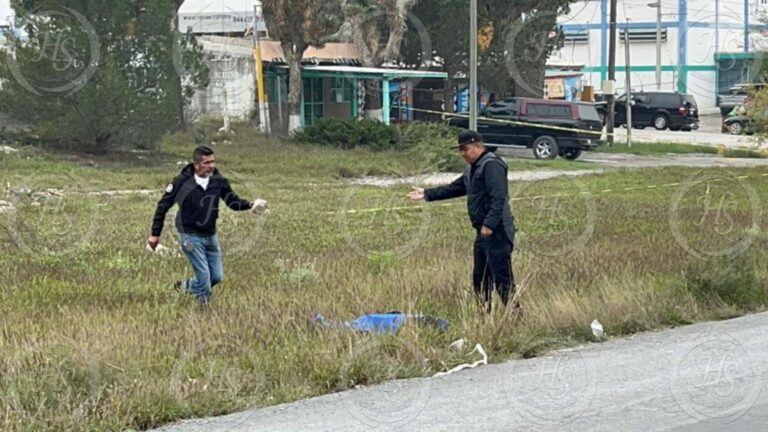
{"points": [[233, 201], [453, 190], [496, 182], [165, 204]]}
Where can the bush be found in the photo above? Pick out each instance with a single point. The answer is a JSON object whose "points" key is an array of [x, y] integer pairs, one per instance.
{"points": [[427, 142], [350, 134]]}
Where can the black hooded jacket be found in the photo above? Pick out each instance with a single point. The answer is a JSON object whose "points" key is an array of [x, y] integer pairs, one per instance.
{"points": [[198, 208], [485, 185]]}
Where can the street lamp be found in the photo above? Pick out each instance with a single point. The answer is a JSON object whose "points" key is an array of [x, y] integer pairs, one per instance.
{"points": [[657, 5]]}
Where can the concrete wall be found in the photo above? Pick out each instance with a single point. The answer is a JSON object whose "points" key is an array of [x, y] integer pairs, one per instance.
{"points": [[235, 74]]}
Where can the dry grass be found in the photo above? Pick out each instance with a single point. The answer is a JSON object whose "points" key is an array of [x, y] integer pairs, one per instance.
{"points": [[93, 337]]}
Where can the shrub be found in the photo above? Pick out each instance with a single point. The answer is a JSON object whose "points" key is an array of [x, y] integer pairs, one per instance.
{"points": [[349, 134]]}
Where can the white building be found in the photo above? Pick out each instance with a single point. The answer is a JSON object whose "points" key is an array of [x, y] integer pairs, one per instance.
{"points": [[706, 44], [6, 19], [220, 17]]}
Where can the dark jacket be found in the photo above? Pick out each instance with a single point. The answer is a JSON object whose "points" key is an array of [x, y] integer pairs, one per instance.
{"points": [[485, 185], [198, 208]]}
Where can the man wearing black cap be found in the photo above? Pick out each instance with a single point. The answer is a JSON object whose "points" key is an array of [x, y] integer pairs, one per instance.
{"points": [[484, 182]]}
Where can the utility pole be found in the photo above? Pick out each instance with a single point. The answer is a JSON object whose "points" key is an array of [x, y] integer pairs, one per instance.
{"points": [[473, 65], [264, 124], [628, 86], [657, 5], [611, 99]]}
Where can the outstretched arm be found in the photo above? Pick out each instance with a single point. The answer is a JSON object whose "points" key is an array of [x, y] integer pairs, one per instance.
{"points": [[233, 201]]}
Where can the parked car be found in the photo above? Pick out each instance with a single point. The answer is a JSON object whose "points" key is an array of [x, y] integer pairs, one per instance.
{"points": [[549, 127], [736, 125], [662, 110], [737, 95]]}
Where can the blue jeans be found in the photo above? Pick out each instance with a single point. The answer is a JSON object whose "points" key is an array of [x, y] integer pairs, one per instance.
{"points": [[204, 254]]}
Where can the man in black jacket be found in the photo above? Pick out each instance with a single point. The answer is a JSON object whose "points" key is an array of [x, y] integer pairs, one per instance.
{"points": [[484, 182], [197, 190]]}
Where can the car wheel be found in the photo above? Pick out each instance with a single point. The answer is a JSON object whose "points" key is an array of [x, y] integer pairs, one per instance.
{"points": [[736, 128], [660, 121], [545, 147], [571, 153]]}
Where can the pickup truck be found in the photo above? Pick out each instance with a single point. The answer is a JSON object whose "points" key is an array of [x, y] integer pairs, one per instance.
{"points": [[550, 128], [737, 95]]}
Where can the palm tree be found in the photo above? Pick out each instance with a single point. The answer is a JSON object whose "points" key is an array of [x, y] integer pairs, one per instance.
{"points": [[297, 24]]}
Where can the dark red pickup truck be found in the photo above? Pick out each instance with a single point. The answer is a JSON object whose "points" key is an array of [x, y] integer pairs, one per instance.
{"points": [[550, 127]]}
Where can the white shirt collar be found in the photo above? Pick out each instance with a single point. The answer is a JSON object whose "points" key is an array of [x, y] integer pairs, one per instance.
{"points": [[202, 181]]}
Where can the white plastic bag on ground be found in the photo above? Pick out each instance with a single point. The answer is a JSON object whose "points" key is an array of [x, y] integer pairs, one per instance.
{"points": [[597, 329]]}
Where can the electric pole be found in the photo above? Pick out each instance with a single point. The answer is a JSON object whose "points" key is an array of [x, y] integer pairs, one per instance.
{"points": [[628, 86], [657, 5], [611, 98], [473, 65], [264, 123]]}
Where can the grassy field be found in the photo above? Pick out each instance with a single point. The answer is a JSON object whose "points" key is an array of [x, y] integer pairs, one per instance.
{"points": [[656, 149], [94, 338]]}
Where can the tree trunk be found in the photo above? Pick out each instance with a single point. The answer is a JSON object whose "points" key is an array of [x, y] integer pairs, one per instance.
{"points": [[448, 94], [295, 87]]}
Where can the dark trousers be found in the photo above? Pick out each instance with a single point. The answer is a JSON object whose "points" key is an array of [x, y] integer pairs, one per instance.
{"points": [[493, 268]]}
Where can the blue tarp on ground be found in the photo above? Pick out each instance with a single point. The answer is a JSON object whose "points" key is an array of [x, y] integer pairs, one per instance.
{"points": [[382, 323]]}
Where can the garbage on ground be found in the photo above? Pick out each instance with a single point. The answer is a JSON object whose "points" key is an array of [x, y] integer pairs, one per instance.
{"points": [[478, 349], [458, 345], [389, 322], [6, 207], [597, 329]]}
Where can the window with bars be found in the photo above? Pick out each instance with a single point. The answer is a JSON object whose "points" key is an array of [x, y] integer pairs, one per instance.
{"points": [[341, 90], [313, 101]]}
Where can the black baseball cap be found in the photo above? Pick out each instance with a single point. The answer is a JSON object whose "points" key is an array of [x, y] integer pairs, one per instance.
{"points": [[468, 137]]}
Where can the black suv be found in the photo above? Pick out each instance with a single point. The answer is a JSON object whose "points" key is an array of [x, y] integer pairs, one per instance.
{"points": [[662, 110]]}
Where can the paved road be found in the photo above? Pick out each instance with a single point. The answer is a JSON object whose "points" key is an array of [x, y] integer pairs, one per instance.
{"points": [[709, 134], [704, 377]]}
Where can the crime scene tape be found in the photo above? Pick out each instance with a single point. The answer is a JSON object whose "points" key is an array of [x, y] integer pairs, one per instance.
{"points": [[599, 133], [531, 198]]}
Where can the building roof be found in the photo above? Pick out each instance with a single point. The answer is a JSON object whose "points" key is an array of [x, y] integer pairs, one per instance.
{"points": [[338, 53], [272, 51], [367, 73]]}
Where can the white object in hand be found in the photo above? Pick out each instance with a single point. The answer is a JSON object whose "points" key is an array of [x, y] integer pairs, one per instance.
{"points": [[259, 206], [159, 249], [597, 329]]}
